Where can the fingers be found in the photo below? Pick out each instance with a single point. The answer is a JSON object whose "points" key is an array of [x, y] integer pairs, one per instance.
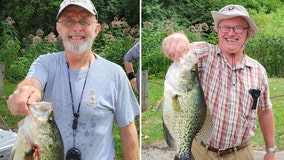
{"points": [[18, 101], [175, 45], [17, 106]]}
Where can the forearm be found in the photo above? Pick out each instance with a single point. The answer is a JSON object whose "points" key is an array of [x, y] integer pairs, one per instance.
{"points": [[266, 121], [129, 141], [128, 67]]}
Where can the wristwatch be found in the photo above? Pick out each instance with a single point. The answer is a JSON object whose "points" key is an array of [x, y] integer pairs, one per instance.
{"points": [[271, 149]]}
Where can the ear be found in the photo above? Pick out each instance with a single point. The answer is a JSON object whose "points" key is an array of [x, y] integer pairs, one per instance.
{"points": [[249, 32], [97, 29], [58, 28]]}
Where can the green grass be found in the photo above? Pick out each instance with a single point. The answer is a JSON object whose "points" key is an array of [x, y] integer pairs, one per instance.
{"points": [[152, 130]]}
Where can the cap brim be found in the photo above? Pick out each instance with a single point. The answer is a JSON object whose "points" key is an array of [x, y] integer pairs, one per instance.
{"points": [[88, 9]]}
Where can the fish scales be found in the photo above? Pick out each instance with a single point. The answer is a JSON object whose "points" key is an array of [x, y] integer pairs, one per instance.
{"points": [[38, 137], [184, 107]]}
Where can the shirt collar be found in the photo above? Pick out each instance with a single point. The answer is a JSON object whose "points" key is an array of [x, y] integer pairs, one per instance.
{"points": [[247, 61]]}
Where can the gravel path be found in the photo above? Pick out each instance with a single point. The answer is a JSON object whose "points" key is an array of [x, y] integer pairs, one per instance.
{"points": [[160, 151]]}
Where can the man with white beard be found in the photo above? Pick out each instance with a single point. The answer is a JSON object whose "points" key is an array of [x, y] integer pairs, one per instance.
{"points": [[88, 92]]}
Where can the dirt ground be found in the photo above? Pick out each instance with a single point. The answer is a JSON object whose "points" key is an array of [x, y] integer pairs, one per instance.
{"points": [[160, 151]]}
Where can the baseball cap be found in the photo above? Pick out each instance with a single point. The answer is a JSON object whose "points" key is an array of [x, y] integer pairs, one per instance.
{"points": [[231, 11], [86, 4]]}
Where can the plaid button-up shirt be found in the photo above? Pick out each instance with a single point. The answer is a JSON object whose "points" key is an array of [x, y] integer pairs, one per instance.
{"points": [[226, 91]]}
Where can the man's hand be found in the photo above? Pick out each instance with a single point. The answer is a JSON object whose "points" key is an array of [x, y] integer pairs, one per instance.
{"points": [[27, 92], [175, 45], [269, 156]]}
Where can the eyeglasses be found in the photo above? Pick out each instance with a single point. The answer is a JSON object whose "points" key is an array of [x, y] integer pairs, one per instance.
{"points": [[236, 29], [71, 22]]}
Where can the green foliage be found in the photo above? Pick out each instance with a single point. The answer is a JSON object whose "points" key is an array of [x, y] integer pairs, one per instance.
{"points": [[19, 68], [190, 12], [269, 51], [115, 40], [10, 45], [152, 58], [31, 15], [268, 46], [34, 14]]}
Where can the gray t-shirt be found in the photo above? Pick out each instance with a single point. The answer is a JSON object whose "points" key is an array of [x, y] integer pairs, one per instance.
{"points": [[107, 97]]}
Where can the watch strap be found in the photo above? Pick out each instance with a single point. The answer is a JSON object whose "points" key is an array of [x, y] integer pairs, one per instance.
{"points": [[271, 149]]}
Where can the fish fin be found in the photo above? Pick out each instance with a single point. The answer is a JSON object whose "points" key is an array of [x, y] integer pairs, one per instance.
{"points": [[160, 104], [12, 155], [206, 131], [175, 103], [187, 156], [168, 137]]}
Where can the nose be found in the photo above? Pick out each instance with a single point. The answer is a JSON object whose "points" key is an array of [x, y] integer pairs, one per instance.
{"points": [[231, 31], [77, 27]]}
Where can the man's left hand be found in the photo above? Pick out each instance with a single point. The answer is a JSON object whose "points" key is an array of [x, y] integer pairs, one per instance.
{"points": [[269, 156]]}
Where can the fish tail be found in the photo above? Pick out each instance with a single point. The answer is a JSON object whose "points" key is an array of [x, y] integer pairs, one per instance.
{"points": [[187, 156], [168, 137]]}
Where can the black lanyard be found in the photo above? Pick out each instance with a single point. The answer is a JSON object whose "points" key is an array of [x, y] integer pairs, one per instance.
{"points": [[76, 114]]}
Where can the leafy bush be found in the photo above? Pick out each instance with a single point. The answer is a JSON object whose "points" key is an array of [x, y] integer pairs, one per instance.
{"points": [[116, 39], [33, 14], [10, 45], [269, 51]]}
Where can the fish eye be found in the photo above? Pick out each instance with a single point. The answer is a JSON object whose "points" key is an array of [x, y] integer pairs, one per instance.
{"points": [[50, 120]]}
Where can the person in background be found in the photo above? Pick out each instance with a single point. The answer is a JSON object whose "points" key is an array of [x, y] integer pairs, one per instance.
{"points": [[88, 92], [235, 87], [133, 55]]}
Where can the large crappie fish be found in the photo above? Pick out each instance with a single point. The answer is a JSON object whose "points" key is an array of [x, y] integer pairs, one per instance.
{"points": [[184, 107], [38, 137]]}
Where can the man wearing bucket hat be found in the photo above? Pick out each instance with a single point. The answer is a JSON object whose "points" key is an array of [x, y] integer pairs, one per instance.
{"points": [[88, 92], [235, 88]]}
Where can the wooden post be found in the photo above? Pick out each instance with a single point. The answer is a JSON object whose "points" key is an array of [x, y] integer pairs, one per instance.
{"points": [[2, 68], [144, 91]]}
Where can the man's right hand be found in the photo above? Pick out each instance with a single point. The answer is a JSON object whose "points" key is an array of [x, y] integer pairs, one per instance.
{"points": [[175, 45], [26, 92]]}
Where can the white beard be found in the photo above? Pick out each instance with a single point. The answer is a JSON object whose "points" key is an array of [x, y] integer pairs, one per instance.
{"points": [[78, 48]]}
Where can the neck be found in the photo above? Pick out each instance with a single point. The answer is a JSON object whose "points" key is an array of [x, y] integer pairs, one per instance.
{"points": [[79, 61], [234, 59]]}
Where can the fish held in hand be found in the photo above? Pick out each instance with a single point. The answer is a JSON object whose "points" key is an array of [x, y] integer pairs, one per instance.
{"points": [[183, 104], [38, 137]]}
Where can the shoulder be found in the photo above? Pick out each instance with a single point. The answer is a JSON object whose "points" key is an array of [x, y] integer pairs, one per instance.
{"points": [[250, 62], [203, 49], [133, 53], [52, 56], [50, 59], [108, 66]]}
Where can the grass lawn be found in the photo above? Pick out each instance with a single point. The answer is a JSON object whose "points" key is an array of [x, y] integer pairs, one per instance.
{"points": [[152, 130]]}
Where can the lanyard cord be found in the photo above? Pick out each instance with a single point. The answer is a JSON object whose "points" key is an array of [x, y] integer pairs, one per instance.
{"points": [[234, 72], [76, 114]]}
